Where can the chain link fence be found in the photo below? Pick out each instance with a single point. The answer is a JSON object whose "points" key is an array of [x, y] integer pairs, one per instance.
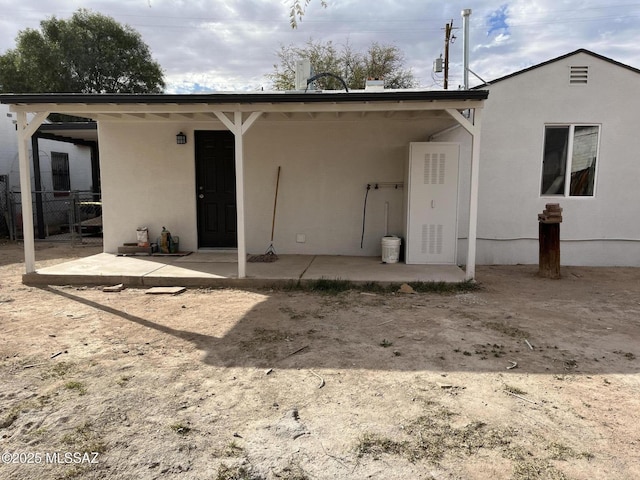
{"points": [[74, 217]]}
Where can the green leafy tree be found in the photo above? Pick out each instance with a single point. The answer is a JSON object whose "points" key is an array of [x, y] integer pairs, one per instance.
{"points": [[88, 53], [385, 62]]}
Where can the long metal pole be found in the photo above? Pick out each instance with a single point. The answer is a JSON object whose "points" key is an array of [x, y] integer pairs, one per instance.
{"points": [[466, 13]]}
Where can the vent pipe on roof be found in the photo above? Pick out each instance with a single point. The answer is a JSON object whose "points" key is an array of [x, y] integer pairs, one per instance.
{"points": [[466, 13], [303, 73], [375, 84]]}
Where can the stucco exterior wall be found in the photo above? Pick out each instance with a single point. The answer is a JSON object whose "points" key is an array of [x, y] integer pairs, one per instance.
{"points": [[599, 230], [326, 163], [147, 181]]}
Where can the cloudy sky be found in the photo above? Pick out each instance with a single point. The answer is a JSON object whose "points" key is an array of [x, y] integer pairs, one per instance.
{"points": [[209, 45]]}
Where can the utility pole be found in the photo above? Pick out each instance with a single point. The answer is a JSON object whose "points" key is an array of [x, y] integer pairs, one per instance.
{"points": [[448, 38]]}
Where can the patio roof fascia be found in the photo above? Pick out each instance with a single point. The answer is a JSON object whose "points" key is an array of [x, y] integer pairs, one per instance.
{"points": [[96, 110], [244, 97], [396, 100]]}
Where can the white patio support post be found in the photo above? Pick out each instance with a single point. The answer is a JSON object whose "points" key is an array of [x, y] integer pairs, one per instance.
{"points": [[25, 131], [474, 130], [238, 128], [473, 196]]}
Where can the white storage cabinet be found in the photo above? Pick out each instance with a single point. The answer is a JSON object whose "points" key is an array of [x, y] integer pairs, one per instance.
{"points": [[431, 203]]}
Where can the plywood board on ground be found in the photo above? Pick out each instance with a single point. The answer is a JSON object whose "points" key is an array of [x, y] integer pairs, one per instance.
{"points": [[165, 290]]}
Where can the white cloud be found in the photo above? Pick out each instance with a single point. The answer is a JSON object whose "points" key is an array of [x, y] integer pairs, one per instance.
{"points": [[232, 44]]}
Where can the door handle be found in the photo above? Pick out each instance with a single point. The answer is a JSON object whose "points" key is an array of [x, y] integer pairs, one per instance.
{"points": [[433, 204], [201, 195]]}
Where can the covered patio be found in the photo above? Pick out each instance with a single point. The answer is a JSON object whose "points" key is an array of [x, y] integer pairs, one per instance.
{"points": [[365, 140], [220, 269]]}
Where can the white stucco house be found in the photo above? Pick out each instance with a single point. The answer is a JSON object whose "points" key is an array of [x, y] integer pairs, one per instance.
{"points": [[62, 163], [356, 166], [215, 186], [564, 131]]}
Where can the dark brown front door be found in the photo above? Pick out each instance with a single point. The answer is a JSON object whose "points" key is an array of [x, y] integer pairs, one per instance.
{"points": [[216, 189]]}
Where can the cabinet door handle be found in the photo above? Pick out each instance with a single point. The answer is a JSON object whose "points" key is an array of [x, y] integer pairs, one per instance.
{"points": [[433, 204]]}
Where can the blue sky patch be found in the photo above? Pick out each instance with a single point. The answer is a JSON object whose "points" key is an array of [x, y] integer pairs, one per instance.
{"points": [[497, 21]]}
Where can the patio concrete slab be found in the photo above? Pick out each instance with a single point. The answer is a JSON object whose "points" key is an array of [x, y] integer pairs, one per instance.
{"points": [[105, 264], [287, 267], [225, 256], [204, 269], [196, 270], [371, 269]]}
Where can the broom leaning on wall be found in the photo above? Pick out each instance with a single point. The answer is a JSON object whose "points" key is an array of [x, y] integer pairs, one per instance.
{"points": [[270, 254]]}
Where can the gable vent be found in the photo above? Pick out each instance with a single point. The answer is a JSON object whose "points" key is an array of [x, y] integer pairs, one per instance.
{"points": [[579, 75]]}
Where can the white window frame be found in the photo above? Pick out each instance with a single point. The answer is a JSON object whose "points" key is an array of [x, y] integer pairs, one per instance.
{"points": [[569, 160]]}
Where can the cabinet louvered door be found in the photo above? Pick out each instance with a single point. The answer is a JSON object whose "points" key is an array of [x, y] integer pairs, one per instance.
{"points": [[432, 203]]}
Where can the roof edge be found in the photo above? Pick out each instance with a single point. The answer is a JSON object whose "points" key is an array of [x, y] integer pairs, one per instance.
{"points": [[243, 98], [557, 59]]}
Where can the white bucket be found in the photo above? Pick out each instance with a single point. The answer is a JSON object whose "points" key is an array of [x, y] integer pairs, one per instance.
{"points": [[390, 249]]}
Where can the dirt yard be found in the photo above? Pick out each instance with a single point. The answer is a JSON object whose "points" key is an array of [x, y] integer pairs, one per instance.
{"points": [[288, 384]]}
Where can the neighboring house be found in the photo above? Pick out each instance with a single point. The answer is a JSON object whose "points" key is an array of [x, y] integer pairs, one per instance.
{"points": [[564, 131], [217, 190], [64, 165]]}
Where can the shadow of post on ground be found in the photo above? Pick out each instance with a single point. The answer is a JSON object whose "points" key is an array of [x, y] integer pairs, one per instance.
{"points": [[425, 332]]}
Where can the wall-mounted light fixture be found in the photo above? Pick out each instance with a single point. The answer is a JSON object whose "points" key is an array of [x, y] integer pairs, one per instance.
{"points": [[181, 138]]}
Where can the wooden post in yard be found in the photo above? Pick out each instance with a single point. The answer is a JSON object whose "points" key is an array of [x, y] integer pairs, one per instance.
{"points": [[549, 238]]}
